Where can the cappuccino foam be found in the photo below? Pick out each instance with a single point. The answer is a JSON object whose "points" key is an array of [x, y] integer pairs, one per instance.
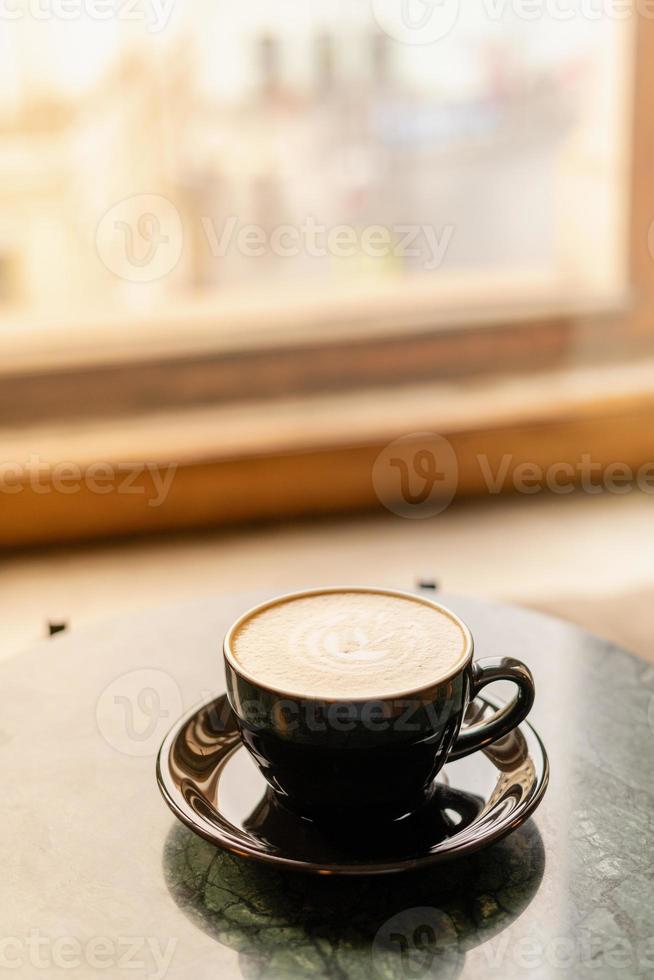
{"points": [[349, 645]]}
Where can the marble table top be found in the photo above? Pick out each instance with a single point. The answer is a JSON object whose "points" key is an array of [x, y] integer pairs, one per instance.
{"points": [[100, 880]]}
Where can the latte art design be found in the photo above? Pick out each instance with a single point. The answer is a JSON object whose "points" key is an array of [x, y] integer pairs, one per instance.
{"points": [[338, 644], [349, 644]]}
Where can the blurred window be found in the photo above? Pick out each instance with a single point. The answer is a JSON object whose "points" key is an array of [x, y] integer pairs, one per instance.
{"points": [[201, 156]]}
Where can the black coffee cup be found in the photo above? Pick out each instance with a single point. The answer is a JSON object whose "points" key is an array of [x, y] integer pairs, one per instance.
{"points": [[333, 758]]}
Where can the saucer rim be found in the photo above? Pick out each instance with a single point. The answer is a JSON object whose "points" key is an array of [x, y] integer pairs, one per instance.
{"points": [[361, 869]]}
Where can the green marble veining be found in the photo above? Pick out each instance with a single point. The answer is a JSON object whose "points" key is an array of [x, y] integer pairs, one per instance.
{"points": [[287, 926]]}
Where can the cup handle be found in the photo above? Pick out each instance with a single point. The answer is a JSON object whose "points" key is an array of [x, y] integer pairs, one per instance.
{"points": [[505, 719]]}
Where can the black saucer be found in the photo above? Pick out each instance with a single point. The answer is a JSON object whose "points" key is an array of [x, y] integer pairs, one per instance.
{"points": [[212, 785]]}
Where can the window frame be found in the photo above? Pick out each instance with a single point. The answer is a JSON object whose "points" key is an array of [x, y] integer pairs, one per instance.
{"points": [[332, 473]]}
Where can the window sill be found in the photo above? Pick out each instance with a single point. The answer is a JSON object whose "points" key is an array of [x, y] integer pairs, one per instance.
{"points": [[228, 323], [314, 455], [292, 355]]}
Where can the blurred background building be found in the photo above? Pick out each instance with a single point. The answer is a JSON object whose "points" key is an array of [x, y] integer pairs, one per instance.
{"points": [[510, 133]]}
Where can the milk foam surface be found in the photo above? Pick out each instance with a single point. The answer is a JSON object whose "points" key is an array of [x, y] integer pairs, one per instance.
{"points": [[349, 644]]}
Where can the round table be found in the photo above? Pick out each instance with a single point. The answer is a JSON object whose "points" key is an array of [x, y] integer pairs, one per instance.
{"points": [[100, 880]]}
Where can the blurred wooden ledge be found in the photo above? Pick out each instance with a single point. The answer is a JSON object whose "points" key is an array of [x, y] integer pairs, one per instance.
{"points": [[214, 353], [309, 456], [282, 316]]}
